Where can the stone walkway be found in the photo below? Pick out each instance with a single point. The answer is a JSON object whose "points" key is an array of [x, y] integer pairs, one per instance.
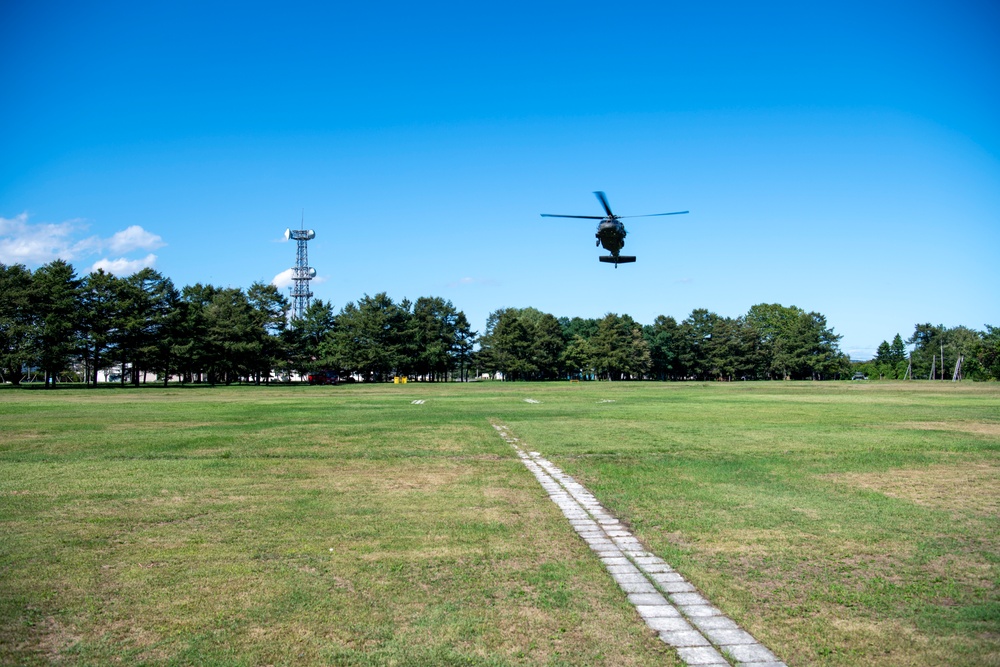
{"points": [[668, 604]]}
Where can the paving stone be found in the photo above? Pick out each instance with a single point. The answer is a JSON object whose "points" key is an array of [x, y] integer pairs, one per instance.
{"points": [[702, 656], [628, 569], [598, 544], [648, 611], [647, 599], [684, 638], [616, 560], [656, 568], [664, 577], [696, 610], [626, 542], [636, 587], [649, 559], [605, 550], [729, 637], [707, 623], [687, 599], [592, 534], [777, 663], [677, 587], [751, 653], [669, 624]]}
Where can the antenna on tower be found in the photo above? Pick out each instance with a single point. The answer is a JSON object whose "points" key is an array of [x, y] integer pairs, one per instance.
{"points": [[302, 273]]}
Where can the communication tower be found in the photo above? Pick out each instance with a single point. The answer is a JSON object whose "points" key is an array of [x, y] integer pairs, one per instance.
{"points": [[302, 273]]}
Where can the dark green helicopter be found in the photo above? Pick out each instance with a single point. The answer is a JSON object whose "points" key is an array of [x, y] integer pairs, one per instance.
{"points": [[610, 230]]}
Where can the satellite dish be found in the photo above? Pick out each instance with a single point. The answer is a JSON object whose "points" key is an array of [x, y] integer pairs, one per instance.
{"points": [[312, 272], [311, 235], [288, 233]]}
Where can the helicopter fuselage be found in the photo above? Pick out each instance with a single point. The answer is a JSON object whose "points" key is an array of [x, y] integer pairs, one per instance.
{"points": [[611, 234]]}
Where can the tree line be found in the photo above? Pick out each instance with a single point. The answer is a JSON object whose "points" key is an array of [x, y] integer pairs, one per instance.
{"points": [[938, 353], [54, 324]]}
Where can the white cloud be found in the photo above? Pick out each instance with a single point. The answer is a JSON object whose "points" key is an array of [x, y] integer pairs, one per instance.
{"points": [[283, 279], [22, 242], [35, 243], [134, 238], [123, 266]]}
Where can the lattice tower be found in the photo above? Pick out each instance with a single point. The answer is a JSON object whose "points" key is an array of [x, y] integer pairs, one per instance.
{"points": [[302, 273]]}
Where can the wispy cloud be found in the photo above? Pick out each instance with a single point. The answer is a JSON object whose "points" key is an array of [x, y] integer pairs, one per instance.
{"points": [[35, 243], [124, 267], [23, 242], [134, 238], [283, 279]]}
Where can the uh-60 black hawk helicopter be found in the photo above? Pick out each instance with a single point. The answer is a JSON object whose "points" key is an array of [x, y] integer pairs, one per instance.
{"points": [[610, 230]]}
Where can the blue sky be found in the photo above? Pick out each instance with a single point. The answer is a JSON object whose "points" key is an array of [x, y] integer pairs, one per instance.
{"points": [[841, 157]]}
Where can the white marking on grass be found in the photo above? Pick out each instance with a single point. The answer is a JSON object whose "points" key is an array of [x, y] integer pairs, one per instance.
{"points": [[531, 400], [419, 401], [607, 400], [701, 634]]}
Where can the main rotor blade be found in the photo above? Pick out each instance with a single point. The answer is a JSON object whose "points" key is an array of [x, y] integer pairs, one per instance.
{"points": [[604, 202], [588, 217], [652, 215]]}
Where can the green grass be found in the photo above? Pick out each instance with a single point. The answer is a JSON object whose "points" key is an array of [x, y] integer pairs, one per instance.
{"points": [[841, 524]]}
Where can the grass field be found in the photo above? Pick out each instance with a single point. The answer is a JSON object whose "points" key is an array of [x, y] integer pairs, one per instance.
{"points": [[841, 524]]}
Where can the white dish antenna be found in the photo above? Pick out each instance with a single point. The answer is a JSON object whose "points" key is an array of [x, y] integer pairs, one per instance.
{"points": [[288, 233]]}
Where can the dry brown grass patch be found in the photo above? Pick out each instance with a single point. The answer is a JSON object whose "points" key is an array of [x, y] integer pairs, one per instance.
{"points": [[969, 488], [977, 428]]}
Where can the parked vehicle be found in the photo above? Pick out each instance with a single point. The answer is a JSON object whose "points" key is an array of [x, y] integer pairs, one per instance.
{"points": [[324, 377]]}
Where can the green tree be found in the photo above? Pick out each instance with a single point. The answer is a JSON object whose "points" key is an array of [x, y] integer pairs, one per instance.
{"points": [[465, 339], [662, 337], [932, 342], [100, 315], [56, 324], [148, 323], [17, 321], [305, 339], [809, 349], [368, 338], [546, 343], [772, 324], [984, 360], [577, 357], [270, 309], [232, 336], [192, 348], [618, 349], [897, 351], [694, 346], [505, 346], [432, 336]]}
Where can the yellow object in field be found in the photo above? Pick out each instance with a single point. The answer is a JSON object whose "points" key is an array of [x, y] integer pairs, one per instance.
{"points": [[399, 380]]}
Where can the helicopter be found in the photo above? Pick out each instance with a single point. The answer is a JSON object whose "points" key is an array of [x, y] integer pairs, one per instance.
{"points": [[610, 230]]}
